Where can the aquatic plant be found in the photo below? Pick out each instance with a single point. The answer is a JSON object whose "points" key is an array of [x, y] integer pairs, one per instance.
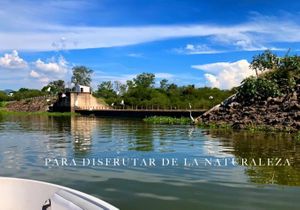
{"points": [[167, 120]]}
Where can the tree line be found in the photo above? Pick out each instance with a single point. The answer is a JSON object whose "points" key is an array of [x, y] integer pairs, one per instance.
{"points": [[141, 91]]}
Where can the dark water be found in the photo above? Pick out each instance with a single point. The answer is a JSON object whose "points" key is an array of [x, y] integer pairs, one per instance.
{"points": [[27, 140]]}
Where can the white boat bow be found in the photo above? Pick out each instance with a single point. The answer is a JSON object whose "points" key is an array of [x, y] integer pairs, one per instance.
{"points": [[23, 194]]}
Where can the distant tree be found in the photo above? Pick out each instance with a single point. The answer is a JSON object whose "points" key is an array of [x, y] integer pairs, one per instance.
{"points": [[164, 84], [144, 80], [23, 90], [120, 88], [24, 93], [105, 90], [81, 75], [3, 96], [265, 61], [55, 87], [141, 92], [130, 84]]}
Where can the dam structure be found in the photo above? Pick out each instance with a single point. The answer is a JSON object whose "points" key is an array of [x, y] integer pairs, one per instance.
{"points": [[83, 102]]}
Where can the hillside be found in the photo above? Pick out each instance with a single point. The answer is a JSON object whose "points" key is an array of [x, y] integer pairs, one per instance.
{"points": [[36, 104], [270, 101]]}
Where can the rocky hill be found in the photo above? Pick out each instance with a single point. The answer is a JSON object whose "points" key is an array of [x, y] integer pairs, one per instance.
{"points": [[280, 113], [269, 101], [36, 104]]}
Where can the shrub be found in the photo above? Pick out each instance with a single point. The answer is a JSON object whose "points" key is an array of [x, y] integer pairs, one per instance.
{"points": [[257, 89]]}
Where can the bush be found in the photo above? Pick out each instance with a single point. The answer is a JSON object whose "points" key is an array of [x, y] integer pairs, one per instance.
{"points": [[257, 89]]}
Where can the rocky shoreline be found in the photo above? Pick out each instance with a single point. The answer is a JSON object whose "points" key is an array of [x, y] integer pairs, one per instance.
{"points": [[279, 113], [36, 104]]}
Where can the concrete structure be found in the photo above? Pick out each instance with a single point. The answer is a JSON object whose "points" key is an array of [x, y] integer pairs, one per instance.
{"points": [[71, 101], [84, 101], [82, 89]]}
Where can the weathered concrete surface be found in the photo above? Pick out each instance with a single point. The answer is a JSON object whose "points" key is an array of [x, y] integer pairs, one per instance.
{"points": [[73, 100]]}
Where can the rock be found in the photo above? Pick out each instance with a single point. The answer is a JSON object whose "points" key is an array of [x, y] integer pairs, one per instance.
{"points": [[238, 126], [294, 96], [282, 112], [296, 125]]}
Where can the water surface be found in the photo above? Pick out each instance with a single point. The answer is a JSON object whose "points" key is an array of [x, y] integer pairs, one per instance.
{"points": [[27, 140]]}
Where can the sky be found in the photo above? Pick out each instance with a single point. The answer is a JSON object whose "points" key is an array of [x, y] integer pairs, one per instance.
{"points": [[205, 43]]}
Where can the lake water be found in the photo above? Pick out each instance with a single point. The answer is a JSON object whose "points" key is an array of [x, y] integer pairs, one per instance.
{"points": [[27, 142]]}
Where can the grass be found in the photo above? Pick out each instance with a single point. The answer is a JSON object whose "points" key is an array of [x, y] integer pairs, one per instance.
{"points": [[297, 136], [55, 114], [161, 120], [214, 125], [101, 101], [3, 104]]}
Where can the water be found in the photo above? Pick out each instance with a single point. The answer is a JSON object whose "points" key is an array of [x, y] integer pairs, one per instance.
{"points": [[26, 141]]}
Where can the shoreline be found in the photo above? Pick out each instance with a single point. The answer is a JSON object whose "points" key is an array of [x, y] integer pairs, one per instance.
{"points": [[40, 113]]}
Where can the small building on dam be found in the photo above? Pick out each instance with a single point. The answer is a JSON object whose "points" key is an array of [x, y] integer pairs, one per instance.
{"points": [[80, 98]]}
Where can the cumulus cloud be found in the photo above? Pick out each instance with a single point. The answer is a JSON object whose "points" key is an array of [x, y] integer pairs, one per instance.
{"points": [[12, 61], [35, 74], [46, 71], [59, 66], [225, 75]]}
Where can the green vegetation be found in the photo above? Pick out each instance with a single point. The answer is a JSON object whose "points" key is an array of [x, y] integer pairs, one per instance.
{"points": [[22, 93], [258, 89], [167, 120], [275, 76], [55, 87], [4, 96], [142, 93], [297, 136], [3, 104], [81, 75]]}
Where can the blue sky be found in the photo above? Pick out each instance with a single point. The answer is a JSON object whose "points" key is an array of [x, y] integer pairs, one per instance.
{"points": [[206, 43]]}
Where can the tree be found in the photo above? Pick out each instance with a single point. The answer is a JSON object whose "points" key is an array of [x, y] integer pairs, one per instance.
{"points": [[164, 84], [55, 87], [105, 90], [120, 88], [3, 96], [81, 75], [265, 61], [144, 80]]}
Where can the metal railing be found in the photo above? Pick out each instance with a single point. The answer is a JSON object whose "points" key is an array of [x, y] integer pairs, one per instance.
{"points": [[137, 108]]}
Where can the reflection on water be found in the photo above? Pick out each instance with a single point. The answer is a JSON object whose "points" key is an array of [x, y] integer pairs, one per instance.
{"points": [[265, 145], [81, 131], [27, 140]]}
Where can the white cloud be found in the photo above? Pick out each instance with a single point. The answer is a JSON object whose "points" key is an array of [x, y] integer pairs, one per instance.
{"points": [[191, 49], [12, 61], [212, 80], [135, 55], [58, 67], [31, 74], [44, 80], [164, 76], [34, 74], [255, 34], [225, 75], [59, 27]]}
